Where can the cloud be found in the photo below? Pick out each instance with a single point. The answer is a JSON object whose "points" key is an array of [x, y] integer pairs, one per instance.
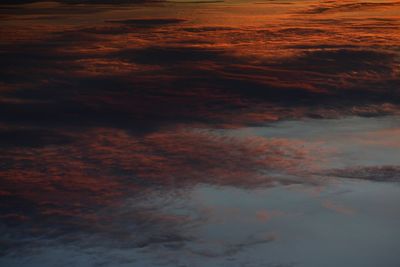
{"points": [[338, 208], [343, 61], [122, 75], [145, 23], [110, 2], [229, 250], [266, 215], [87, 187], [22, 137], [372, 173], [171, 55], [142, 88], [209, 29], [349, 7], [105, 109]]}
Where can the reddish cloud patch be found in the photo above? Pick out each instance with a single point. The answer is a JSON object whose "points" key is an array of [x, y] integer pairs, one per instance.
{"points": [[68, 188], [265, 215]]}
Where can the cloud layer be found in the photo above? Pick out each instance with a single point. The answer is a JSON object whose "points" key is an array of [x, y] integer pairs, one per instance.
{"points": [[107, 105]]}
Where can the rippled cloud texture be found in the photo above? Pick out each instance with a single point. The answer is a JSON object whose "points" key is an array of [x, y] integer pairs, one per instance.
{"points": [[105, 103]]}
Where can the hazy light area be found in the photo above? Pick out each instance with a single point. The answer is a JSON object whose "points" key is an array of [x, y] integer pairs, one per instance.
{"points": [[199, 133]]}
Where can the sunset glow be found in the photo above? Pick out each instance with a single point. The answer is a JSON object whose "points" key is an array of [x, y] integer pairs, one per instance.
{"points": [[200, 133]]}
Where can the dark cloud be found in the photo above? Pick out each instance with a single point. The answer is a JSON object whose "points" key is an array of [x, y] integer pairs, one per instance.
{"points": [[148, 22], [323, 47], [349, 7], [197, 2], [31, 138], [208, 29], [233, 249], [170, 55], [114, 2], [190, 84], [343, 61], [301, 31], [371, 173]]}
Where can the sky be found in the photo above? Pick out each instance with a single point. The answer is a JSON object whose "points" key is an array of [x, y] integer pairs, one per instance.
{"points": [[199, 133]]}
